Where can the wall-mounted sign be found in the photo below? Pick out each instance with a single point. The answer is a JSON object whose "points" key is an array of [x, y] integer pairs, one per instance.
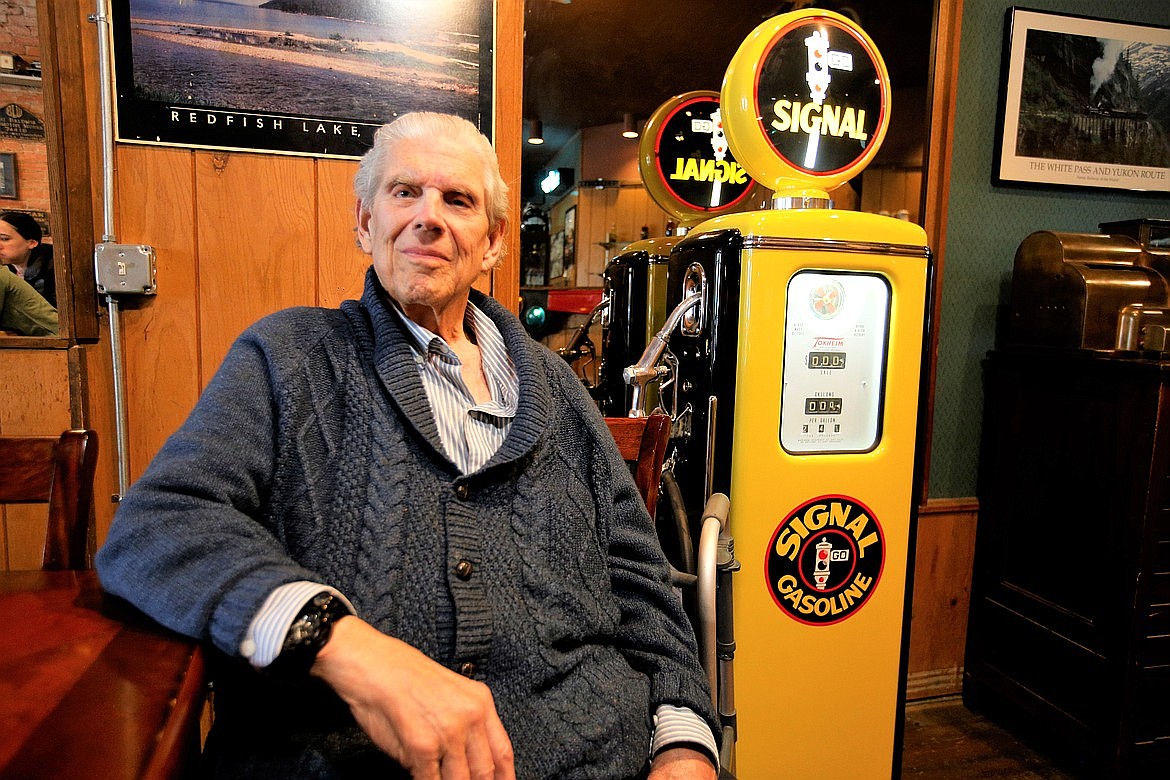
{"points": [[293, 77], [807, 101], [42, 218], [18, 122], [685, 161]]}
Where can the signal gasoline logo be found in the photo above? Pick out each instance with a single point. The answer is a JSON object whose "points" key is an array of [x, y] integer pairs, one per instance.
{"points": [[825, 559]]}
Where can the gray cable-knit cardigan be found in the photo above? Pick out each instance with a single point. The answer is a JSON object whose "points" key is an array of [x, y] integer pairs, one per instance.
{"points": [[313, 454]]}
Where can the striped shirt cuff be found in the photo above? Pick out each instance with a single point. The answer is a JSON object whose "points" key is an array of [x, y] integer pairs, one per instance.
{"points": [[270, 625], [679, 724]]}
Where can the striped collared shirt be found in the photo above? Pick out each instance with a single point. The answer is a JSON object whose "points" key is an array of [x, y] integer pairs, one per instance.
{"points": [[471, 433]]}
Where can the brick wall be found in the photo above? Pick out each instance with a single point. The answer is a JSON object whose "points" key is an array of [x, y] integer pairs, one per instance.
{"points": [[19, 36]]}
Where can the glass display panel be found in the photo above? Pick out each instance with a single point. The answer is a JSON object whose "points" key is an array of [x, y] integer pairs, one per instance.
{"points": [[835, 340]]}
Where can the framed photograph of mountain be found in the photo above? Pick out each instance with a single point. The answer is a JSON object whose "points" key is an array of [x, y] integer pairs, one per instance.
{"points": [[304, 77], [1084, 102]]}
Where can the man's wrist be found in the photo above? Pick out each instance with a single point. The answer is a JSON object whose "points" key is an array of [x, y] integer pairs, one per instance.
{"points": [[310, 631]]}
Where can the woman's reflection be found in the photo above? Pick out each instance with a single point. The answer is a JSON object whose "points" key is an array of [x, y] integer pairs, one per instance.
{"points": [[23, 310], [22, 250], [28, 289]]}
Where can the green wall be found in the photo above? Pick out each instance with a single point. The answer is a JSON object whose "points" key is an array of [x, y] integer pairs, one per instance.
{"points": [[987, 223]]}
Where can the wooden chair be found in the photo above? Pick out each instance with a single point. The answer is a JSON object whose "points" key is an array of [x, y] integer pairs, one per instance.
{"points": [[59, 471], [642, 442]]}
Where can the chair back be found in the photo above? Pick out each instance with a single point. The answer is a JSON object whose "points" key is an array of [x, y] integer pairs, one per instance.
{"points": [[642, 443], [58, 471]]}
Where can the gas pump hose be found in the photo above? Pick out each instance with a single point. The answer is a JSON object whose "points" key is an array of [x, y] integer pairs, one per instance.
{"points": [[682, 527]]}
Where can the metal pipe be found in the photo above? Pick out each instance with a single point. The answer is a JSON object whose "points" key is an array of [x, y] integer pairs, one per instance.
{"points": [[572, 349], [709, 466], [714, 523], [102, 19], [119, 397], [725, 608]]}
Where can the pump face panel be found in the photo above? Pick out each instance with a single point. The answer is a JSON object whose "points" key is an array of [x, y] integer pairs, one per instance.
{"points": [[835, 337]]}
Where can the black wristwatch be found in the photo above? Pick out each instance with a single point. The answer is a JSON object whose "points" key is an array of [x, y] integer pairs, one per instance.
{"points": [[307, 635]]}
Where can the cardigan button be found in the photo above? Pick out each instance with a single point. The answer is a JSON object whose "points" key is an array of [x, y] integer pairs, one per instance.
{"points": [[467, 669], [463, 569], [461, 491]]}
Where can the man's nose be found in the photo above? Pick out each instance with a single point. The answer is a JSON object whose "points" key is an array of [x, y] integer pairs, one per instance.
{"points": [[427, 215]]}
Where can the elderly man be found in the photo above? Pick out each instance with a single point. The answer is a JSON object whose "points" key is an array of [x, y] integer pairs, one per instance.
{"points": [[406, 530]]}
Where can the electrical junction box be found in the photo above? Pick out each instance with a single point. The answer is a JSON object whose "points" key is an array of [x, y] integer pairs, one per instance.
{"points": [[124, 269]]}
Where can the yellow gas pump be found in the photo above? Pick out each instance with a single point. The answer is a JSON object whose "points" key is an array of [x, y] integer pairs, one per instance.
{"points": [[803, 361]]}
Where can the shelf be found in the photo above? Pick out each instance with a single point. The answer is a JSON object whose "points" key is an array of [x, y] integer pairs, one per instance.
{"points": [[13, 79]]}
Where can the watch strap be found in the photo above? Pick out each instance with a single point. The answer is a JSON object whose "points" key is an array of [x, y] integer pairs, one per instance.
{"points": [[308, 633]]}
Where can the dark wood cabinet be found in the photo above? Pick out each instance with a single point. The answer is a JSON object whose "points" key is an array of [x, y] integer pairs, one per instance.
{"points": [[1069, 629]]}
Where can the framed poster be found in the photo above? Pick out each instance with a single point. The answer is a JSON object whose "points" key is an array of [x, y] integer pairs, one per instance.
{"points": [[7, 175], [556, 257], [1084, 102], [307, 77]]}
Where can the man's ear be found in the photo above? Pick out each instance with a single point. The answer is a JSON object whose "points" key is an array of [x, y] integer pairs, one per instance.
{"points": [[362, 217], [495, 250]]}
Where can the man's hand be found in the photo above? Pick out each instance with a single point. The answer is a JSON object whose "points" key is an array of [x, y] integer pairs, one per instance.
{"points": [[438, 724], [681, 764]]}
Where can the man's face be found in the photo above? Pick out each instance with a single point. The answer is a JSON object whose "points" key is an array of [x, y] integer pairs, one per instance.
{"points": [[14, 248], [427, 228]]}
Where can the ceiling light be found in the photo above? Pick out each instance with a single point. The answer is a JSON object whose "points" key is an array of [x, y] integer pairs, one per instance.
{"points": [[629, 128], [535, 132]]}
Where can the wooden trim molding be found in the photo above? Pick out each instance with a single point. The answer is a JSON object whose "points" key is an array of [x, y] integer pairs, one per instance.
{"points": [[948, 506], [67, 139], [507, 137], [944, 78]]}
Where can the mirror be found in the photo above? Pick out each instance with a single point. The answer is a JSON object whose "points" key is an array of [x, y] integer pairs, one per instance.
{"points": [[44, 133]]}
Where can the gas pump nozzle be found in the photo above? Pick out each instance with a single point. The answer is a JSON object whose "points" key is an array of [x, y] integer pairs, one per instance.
{"points": [[579, 345], [647, 368]]}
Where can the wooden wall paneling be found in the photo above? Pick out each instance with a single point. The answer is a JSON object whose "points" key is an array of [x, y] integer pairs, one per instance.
{"points": [[595, 217], [912, 199], [24, 531], [942, 594], [98, 381], [342, 267], [160, 334], [35, 383], [256, 223]]}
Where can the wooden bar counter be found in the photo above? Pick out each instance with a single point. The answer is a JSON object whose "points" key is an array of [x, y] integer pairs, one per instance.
{"points": [[89, 687]]}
